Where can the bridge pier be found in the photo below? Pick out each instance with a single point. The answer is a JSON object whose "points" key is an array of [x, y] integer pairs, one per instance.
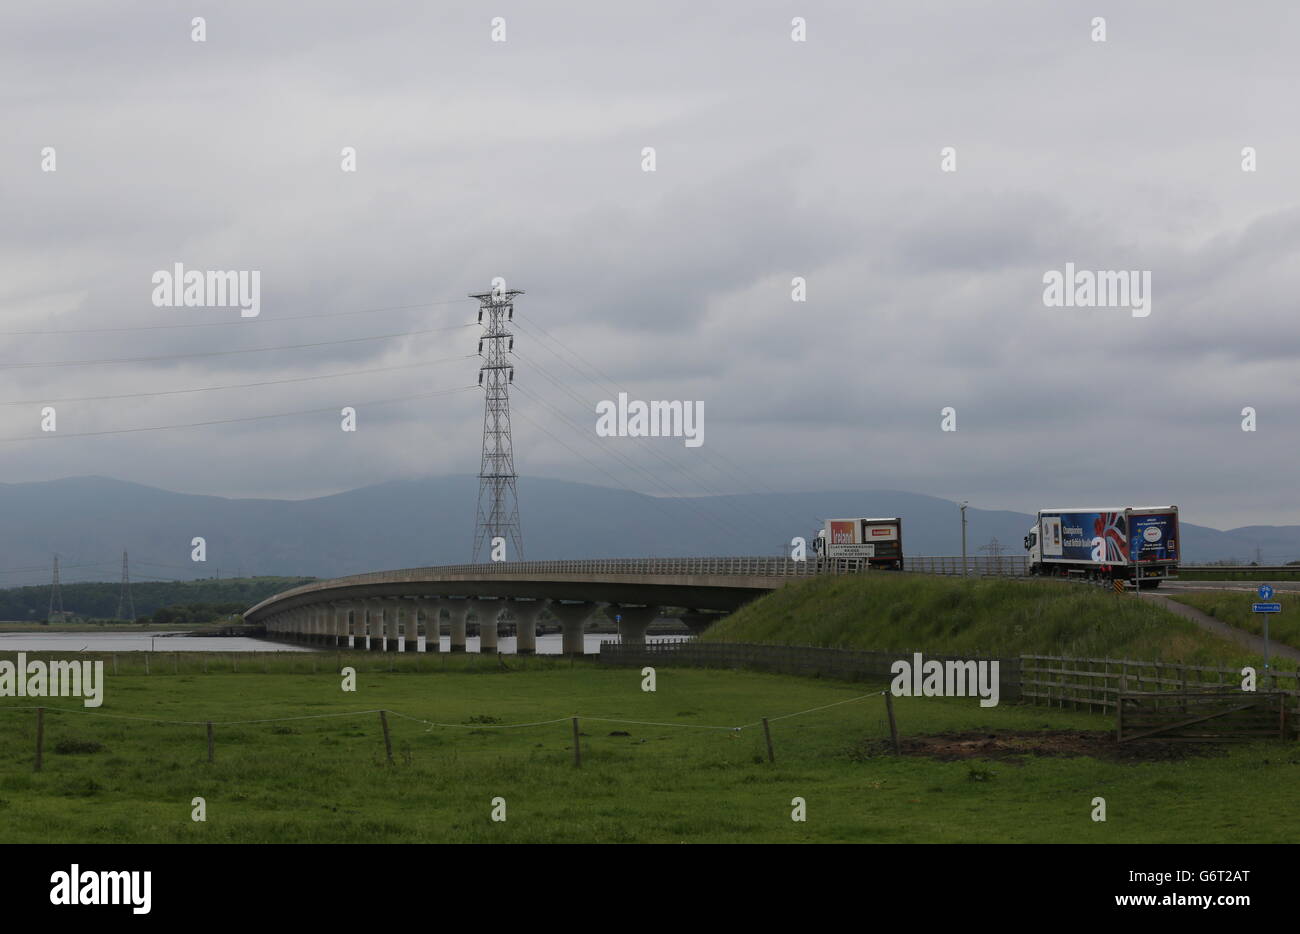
{"points": [[525, 613], [633, 621], [392, 623], [392, 609], [697, 622], [353, 621], [573, 618], [342, 613], [487, 610], [457, 610], [432, 624], [409, 611], [374, 625]]}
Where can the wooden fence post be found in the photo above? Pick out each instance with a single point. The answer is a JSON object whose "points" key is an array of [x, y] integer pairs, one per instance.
{"points": [[577, 747], [893, 724], [115, 666], [211, 746], [767, 736], [146, 662], [388, 741], [40, 737]]}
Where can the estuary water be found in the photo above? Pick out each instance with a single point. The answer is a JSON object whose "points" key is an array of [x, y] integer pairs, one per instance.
{"points": [[179, 642]]}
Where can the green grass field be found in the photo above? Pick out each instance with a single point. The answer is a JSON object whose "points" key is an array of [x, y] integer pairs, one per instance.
{"points": [[327, 779], [1233, 608], [988, 616]]}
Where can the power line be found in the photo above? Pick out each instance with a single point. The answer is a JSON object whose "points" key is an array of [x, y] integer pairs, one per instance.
{"points": [[609, 386], [746, 518], [227, 421], [240, 323], [226, 353], [661, 484], [617, 482], [269, 382]]}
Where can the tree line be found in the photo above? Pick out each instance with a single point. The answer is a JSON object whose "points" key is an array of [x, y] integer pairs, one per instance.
{"points": [[99, 599]]}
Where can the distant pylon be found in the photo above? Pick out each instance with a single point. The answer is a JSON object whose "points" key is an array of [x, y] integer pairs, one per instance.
{"points": [[56, 594], [125, 599], [498, 499]]}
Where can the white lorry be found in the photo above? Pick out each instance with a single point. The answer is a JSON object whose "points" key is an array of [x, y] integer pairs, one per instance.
{"points": [[1138, 544]]}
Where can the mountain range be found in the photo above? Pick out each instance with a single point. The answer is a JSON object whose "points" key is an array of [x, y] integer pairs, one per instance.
{"points": [[88, 521]]}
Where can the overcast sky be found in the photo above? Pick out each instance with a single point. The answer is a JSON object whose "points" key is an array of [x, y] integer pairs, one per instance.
{"points": [[774, 159]]}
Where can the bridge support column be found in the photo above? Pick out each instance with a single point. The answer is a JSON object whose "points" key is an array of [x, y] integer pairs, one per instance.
{"points": [[697, 622], [374, 625], [573, 617], [340, 620], [633, 621], [457, 610], [411, 630], [432, 625], [393, 620], [525, 613], [355, 615], [487, 610], [388, 624]]}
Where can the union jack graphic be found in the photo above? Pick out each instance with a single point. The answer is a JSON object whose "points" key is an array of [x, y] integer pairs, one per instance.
{"points": [[1110, 528]]}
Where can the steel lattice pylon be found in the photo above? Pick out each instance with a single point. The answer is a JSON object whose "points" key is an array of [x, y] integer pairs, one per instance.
{"points": [[56, 595], [498, 499], [124, 598]]}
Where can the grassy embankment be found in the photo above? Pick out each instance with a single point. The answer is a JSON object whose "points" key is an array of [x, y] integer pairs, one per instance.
{"points": [[1233, 608], [990, 616], [327, 780]]}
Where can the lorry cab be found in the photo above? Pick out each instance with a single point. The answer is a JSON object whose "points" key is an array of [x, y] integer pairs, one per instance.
{"points": [[1031, 546]]}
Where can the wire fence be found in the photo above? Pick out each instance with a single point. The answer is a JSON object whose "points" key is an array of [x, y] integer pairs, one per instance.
{"points": [[476, 725]]}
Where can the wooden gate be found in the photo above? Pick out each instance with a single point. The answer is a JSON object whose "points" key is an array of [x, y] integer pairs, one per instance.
{"points": [[1201, 716]]}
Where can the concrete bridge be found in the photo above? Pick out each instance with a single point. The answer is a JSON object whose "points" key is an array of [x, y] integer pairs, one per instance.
{"points": [[401, 611]]}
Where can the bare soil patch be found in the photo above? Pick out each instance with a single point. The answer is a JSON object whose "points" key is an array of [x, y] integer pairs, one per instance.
{"points": [[1010, 744]]}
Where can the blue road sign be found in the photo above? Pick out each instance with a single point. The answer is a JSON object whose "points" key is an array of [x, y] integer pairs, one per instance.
{"points": [[1266, 607], [1265, 592]]}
